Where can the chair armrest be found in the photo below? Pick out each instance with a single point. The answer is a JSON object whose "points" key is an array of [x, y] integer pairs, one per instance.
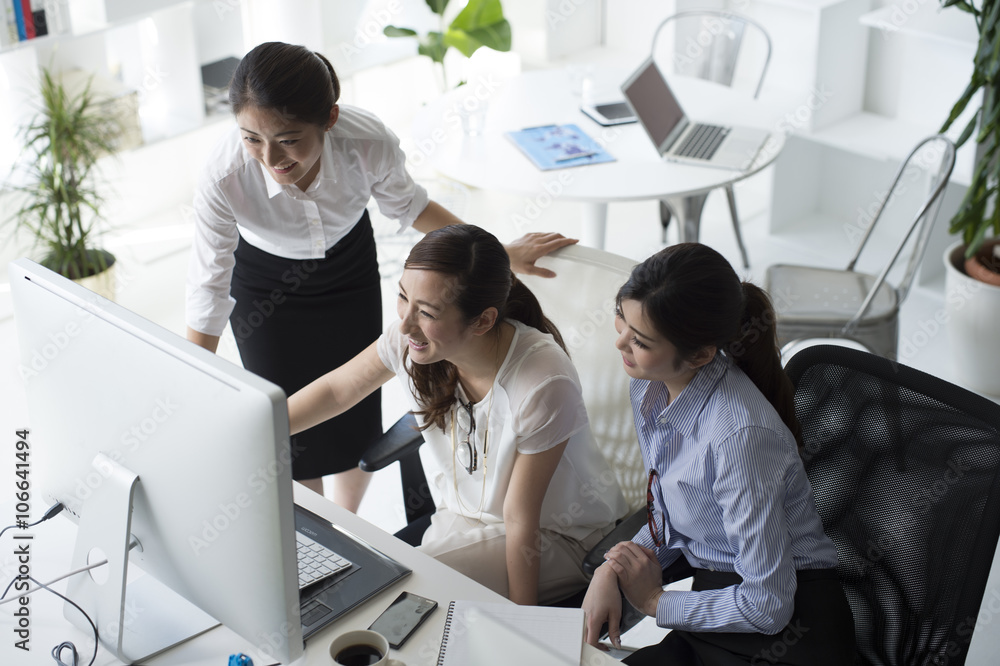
{"points": [[399, 441], [623, 531]]}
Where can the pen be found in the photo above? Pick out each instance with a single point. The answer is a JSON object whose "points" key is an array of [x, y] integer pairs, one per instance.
{"points": [[566, 158], [537, 127]]}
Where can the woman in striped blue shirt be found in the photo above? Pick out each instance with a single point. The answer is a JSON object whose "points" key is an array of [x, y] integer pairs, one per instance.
{"points": [[729, 501]]}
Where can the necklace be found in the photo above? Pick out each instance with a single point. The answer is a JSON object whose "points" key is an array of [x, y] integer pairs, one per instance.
{"points": [[466, 453]]}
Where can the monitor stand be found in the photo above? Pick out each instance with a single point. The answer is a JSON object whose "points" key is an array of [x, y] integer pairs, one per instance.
{"points": [[137, 619]]}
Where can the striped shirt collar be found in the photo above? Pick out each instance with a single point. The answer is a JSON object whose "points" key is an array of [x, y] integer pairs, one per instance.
{"points": [[683, 412]]}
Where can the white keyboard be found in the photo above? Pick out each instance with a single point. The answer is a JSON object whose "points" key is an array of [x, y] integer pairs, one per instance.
{"points": [[316, 561]]}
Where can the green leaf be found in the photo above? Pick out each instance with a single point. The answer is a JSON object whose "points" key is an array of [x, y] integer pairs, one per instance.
{"points": [[966, 133], [496, 37], [437, 6], [433, 46], [393, 31], [478, 14], [960, 4]]}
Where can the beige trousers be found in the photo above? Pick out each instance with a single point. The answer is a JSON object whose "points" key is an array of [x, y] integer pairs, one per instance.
{"points": [[479, 550]]}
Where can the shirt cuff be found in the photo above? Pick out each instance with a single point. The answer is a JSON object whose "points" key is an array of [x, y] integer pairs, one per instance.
{"points": [[670, 609], [209, 316], [417, 206]]}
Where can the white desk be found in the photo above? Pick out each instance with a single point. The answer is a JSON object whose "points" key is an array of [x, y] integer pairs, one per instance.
{"points": [[430, 578], [490, 161]]}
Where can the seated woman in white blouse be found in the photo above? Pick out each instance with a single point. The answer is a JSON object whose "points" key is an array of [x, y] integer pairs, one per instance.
{"points": [[524, 492]]}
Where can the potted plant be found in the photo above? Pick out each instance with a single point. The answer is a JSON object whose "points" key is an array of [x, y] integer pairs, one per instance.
{"points": [[57, 197], [480, 23], [973, 305]]}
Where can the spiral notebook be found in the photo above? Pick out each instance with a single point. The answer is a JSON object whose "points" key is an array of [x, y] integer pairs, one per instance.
{"points": [[477, 633]]}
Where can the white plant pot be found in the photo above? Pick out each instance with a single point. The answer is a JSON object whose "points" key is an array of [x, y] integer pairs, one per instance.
{"points": [[102, 284], [973, 310]]}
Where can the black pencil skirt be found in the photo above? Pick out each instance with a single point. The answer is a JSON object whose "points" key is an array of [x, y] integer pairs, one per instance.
{"points": [[820, 633], [296, 319]]}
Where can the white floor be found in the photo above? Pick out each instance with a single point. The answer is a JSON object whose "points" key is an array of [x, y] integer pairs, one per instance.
{"points": [[153, 258]]}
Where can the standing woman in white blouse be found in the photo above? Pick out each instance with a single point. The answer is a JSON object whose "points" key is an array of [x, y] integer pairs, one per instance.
{"points": [[283, 247]]}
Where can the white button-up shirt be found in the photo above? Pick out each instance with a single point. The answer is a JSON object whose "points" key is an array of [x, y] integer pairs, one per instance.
{"points": [[361, 159]]}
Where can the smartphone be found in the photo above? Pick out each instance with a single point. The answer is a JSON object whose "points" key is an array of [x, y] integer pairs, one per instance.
{"points": [[402, 618], [612, 113]]}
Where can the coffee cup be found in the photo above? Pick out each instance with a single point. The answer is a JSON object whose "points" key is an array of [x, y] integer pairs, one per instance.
{"points": [[361, 647]]}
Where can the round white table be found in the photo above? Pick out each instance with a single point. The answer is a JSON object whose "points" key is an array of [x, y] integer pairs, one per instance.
{"points": [[489, 160]]}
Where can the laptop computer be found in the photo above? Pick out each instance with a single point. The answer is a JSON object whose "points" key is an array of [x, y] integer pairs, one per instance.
{"points": [[676, 136]]}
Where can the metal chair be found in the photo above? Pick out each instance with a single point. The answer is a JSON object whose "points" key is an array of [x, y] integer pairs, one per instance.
{"points": [[905, 469], [580, 300], [708, 45], [822, 302]]}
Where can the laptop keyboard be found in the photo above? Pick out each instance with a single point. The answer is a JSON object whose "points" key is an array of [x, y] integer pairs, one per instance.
{"points": [[702, 142], [316, 561]]}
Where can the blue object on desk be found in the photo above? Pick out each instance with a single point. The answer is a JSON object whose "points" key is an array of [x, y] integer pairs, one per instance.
{"points": [[559, 146], [240, 660]]}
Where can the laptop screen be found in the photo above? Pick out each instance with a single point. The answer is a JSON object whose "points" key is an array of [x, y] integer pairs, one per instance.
{"points": [[654, 105]]}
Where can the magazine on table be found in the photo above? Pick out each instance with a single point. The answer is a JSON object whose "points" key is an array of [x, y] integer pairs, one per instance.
{"points": [[559, 146]]}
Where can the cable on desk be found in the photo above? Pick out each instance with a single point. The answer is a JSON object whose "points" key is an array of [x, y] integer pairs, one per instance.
{"points": [[57, 650], [43, 587], [51, 512]]}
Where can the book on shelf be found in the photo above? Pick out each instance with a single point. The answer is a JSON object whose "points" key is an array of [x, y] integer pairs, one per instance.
{"points": [[8, 24], [478, 632], [559, 146], [21, 20]]}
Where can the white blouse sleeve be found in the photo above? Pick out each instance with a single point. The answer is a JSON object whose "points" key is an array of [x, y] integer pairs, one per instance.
{"points": [[390, 347], [398, 196], [547, 401], [210, 267]]}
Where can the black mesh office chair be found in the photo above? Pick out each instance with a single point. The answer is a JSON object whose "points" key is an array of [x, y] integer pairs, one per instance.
{"points": [[905, 469]]}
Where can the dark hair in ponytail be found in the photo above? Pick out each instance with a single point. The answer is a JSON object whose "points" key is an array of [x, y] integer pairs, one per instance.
{"points": [[479, 277], [693, 297], [288, 79]]}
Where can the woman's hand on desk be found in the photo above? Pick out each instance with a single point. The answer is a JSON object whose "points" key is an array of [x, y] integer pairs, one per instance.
{"points": [[528, 248], [639, 574], [602, 604]]}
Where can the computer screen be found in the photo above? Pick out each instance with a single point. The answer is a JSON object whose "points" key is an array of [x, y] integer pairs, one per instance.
{"points": [[654, 104], [170, 459]]}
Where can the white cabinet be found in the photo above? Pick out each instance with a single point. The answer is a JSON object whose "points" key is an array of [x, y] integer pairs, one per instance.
{"points": [[919, 60]]}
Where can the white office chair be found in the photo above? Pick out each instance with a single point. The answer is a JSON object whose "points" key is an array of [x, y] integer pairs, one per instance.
{"points": [[711, 45], [846, 303], [580, 301]]}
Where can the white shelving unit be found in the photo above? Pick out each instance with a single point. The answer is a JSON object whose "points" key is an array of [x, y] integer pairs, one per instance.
{"points": [[832, 172]]}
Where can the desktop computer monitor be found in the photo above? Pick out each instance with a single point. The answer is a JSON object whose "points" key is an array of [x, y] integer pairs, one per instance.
{"points": [[169, 458]]}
